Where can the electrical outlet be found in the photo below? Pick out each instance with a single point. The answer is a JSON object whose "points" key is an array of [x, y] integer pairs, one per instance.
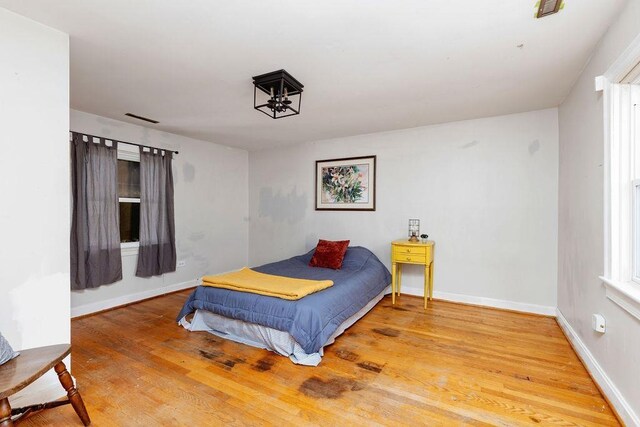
{"points": [[182, 263], [598, 323]]}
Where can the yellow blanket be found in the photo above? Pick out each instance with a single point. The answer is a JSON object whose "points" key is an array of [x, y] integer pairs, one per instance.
{"points": [[247, 280]]}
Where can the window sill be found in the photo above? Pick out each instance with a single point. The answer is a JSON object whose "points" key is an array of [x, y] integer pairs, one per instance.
{"points": [[626, 295], [129, 248]]}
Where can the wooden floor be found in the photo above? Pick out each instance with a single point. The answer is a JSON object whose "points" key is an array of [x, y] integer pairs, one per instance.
{"points": [[448, 365]]}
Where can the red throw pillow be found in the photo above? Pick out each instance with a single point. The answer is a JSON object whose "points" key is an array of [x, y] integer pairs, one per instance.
{"points": [[329, 254]]}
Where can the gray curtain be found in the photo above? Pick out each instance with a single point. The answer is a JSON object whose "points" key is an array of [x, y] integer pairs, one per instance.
{"points": [[157, 254], [95, 223]]}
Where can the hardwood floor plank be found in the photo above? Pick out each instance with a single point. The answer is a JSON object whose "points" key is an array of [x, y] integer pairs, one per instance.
{"points": [[450, 364]]}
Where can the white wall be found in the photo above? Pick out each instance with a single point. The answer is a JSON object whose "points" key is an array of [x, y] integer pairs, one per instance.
{"points": [[34, 183], [581, 239], [485, 190], [211, 204]]}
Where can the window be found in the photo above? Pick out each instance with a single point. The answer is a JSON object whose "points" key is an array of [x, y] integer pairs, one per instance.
{"points": [[636, 230], [627, 169], [635, 175], [622, 184], [129, 198]]}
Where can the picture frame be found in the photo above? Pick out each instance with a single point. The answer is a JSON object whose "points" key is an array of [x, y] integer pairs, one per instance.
{"points": [[346, 184]]}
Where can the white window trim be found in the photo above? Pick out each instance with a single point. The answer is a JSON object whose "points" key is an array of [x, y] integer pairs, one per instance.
{"points": [[128, 200], [618, 174], [129, 248], [635, 201], [130, 153]]}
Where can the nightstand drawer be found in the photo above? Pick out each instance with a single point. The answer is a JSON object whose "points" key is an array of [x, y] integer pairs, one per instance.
{"points": [[410, 258], [409, 250]]}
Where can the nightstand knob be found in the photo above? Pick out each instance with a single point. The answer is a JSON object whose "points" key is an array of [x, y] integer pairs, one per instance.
{"points": [[409, 251], [408, 258]]}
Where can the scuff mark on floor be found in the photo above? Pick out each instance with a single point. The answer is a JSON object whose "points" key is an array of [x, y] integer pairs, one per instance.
{"points": [[328, 389]]}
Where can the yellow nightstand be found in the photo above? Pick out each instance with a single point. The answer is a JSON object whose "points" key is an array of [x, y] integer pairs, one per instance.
{"points": [[405, 252]]}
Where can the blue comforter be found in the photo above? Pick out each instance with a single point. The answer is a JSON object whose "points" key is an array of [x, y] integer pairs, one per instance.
{"points": [[310, 320]]}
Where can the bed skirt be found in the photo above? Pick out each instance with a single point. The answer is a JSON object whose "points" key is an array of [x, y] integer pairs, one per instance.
{"points": [[268, 338]]}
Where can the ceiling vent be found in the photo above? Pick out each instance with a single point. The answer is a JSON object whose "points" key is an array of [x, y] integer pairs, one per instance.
{"points": [[142, 118], [549, 7]]}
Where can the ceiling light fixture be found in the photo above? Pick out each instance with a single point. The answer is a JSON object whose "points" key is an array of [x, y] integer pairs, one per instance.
{"points": [[549, 7], [278, 86]]}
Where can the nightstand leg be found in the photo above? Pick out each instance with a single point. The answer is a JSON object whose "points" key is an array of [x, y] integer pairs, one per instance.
{"points": [[426, 285], [431, 281], [399, 281], [393, 283]]}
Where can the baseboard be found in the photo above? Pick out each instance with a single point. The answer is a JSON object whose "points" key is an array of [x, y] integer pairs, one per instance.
{"points": [[83, 310], [487, 302], [608, 388]]}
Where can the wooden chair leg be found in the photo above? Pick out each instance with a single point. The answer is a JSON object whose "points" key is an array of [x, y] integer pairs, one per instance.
{"points": [[5, 413], [72, 393]]}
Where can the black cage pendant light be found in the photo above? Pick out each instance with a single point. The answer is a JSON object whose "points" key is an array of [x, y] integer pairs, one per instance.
{"points": [[282, 91]]}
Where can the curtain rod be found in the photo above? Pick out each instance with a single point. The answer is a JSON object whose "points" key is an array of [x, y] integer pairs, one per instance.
{"points": [[122, 142]]}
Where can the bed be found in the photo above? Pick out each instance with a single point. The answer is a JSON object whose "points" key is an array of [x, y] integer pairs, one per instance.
{"points": [[298, 329]]}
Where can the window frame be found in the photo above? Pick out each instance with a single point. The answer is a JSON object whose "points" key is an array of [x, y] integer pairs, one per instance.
{"points": [[130, 153], [621, 168], [635, 217]]}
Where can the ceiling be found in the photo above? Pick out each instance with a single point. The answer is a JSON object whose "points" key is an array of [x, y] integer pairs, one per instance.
{"points": [[367, 66]]}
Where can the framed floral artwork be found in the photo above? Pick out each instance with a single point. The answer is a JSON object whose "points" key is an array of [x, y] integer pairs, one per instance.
{"points": [[346, 184]]}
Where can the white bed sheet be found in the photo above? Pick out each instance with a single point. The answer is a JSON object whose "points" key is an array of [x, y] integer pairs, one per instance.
{"points": [[268, 338]]}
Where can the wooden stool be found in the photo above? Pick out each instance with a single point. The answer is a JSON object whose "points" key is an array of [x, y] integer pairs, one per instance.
{"points": [[28, 367]]}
